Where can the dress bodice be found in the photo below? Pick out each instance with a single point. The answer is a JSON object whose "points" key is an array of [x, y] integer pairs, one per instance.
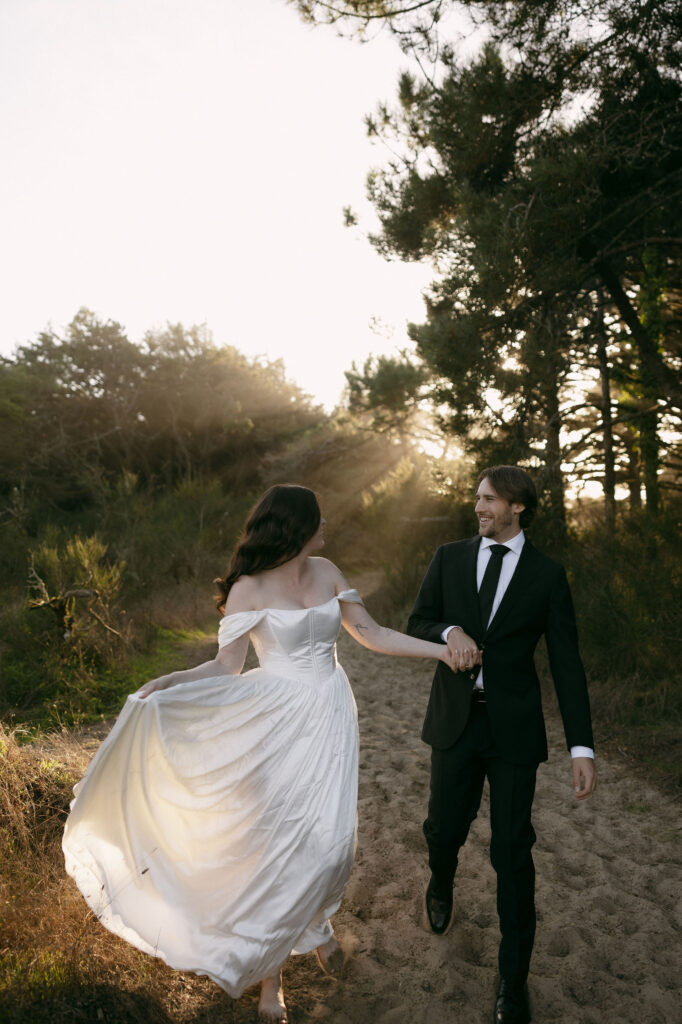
{"points": [[298, 643]]}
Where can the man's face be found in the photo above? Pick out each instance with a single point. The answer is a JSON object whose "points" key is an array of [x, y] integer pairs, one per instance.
{"points": [[498, 518]]}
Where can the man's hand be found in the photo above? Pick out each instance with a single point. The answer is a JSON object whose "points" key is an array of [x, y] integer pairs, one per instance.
{"points": [[464, 650], [584, 776]]}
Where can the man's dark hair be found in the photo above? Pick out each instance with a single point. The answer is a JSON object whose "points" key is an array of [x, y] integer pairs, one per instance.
{"points": [[513, 484]]}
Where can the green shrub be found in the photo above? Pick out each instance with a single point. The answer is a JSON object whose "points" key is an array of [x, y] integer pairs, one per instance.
{"points": [[67, 627], [74, 587]]}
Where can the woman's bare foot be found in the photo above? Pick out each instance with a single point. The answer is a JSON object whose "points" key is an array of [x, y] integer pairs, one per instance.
{"points": [[271, 1006], [330, 957]]}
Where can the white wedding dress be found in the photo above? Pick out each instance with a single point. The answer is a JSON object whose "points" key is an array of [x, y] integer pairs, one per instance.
{"points": [[215, 827]]}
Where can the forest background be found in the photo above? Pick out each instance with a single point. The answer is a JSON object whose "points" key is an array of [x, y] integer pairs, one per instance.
{"points": [[541, 176]]}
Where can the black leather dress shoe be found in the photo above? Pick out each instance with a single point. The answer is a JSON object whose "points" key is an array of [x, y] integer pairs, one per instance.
{"points": [[511, 1005], [438, 911]]}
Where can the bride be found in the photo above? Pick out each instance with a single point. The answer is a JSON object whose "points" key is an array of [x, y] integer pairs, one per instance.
{"points": [[215, 826]]}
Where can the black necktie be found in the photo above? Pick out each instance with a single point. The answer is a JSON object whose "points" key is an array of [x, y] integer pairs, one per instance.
{"points": [[491, 577]]}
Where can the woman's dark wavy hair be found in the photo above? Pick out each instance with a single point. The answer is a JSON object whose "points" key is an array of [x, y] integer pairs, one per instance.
{"points": [[513, 484], [276, 530]]}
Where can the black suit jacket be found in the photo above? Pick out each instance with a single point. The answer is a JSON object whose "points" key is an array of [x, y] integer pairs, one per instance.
{"points": [[537, 601]]}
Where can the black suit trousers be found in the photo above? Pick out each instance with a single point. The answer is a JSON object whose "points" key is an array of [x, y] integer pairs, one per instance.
{"points": [[457, 777]]}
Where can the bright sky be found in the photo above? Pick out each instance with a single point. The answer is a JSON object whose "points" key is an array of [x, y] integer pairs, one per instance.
{"points": [[188, 160]]}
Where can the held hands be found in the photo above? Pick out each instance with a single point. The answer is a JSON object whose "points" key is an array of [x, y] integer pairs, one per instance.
{"points": [[161, 683], [464, 652]]}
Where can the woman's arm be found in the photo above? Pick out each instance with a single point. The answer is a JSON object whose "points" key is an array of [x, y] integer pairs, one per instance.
{"points": [[229, 661], [359, 623]]}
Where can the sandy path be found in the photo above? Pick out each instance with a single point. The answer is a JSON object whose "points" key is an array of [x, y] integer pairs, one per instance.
{"points": [[609, 887], [609, 891]]}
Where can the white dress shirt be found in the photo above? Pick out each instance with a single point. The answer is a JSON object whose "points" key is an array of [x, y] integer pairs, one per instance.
{"points": [[509, 563]]}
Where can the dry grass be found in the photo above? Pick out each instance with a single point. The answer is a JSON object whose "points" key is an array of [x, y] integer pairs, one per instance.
{"points": [[57, 963]]}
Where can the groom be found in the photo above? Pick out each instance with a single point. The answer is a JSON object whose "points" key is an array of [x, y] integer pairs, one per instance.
{"points": [[490, 598]]}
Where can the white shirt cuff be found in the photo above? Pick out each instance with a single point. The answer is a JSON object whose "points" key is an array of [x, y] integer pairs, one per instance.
{"points": [[446, 632], [582, 752]]}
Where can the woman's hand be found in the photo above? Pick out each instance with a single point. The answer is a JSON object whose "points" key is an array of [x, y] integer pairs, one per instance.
{"points": [[447, 657], [229, 661], [162, 683], [464, 650]]}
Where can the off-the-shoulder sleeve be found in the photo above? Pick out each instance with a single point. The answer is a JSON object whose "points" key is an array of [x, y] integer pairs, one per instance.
{"points": [[233, 626], [351, 596]]}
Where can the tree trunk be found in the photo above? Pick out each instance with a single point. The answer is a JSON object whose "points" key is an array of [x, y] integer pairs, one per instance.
{"points": [[609, 461], [555, 479], [665, 379], [553, 454], [650, 448], [633, 471]]}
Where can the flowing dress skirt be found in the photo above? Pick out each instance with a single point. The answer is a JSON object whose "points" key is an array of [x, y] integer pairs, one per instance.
{"points": [[215, 827]]}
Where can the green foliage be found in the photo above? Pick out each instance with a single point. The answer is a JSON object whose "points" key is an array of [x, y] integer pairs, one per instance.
{"points": [[74, 589], [401, 16], [388, 388], [628, 592], [541, 175], [40, 977], [126, 473], [178, 535], [80, 410], [68, 626], [43, 690]]}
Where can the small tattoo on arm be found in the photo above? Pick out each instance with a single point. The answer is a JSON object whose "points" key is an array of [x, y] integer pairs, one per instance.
{"points": [[359, 627]]}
